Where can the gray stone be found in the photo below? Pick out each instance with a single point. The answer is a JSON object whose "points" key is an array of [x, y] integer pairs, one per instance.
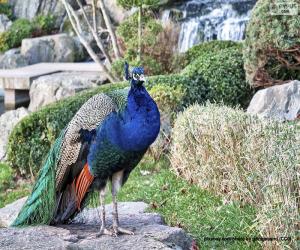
{"points": [[149, 228], [51, 88], [280, 102], [54, 48], [5, 23], [31, 8], [10, 212], [12, 59], [7, 122]]}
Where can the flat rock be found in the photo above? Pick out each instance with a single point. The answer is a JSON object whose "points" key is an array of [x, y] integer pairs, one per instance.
{"points": [[53, 48], [280, 102], [10, 212], [12, 59], [7, 122], [51, 88], [149, 228]]}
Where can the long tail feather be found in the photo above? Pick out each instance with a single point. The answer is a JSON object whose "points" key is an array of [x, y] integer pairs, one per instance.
{"points": [[41, 204]]}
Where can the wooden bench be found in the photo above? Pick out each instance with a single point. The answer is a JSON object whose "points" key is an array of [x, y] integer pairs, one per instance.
{"points": [[16, 82]]}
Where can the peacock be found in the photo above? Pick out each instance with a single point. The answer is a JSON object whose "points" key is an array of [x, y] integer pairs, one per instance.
{"points": [[104, 142]]}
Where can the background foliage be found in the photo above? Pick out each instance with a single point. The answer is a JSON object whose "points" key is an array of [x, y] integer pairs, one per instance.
{"points": [[23, 28], [272, 46]]}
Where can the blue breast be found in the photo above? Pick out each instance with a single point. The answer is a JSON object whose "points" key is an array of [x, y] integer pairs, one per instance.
{"points": [[133, 129]]}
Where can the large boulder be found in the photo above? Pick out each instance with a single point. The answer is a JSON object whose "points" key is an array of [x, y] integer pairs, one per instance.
{"points": [[149, 228], [12, 59], [5, 23], [51, 88], [280, 102], [7, 122], [53, 48], [31, 8]]}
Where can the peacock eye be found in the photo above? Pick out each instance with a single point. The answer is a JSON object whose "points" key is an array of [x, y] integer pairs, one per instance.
{"points": [[136, 76]]}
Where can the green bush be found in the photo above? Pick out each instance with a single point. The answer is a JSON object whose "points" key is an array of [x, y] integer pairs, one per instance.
{"points": [[44, 24], [23, 28], [20, 29], [222, 77], [30, 140], [213, 46], [6, 9], [272, 45], [244, 158], [6, 176]]}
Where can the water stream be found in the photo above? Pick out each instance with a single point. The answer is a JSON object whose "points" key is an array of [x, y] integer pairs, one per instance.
{"points": [[205, 20]]}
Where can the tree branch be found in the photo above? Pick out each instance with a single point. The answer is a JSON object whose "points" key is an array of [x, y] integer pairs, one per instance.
{"points": [[110, 30], [94, 33], [76, 25]]}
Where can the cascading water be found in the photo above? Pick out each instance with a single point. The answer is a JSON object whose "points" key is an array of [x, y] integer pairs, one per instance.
{"points": [[205, 20]]}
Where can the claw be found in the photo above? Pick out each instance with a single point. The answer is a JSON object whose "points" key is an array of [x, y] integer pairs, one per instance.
{"points": [[105, 231], [120, 230]]}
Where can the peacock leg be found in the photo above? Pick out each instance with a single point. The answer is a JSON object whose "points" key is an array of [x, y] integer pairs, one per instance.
{"points": [[103, 229], [117, 180]]}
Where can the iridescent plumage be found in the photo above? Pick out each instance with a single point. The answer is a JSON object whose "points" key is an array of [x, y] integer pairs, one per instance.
{"points": [[104, 141]]}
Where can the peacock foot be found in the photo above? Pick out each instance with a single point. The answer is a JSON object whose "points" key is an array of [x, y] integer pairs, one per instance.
{"points": [[105, 231], [119, 230]]}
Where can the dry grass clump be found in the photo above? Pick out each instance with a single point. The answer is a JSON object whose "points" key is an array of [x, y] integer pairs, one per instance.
{"points": [[243, 158]]}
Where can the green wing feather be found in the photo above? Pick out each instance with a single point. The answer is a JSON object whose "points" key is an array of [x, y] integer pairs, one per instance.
{"points": [[40, 205]]}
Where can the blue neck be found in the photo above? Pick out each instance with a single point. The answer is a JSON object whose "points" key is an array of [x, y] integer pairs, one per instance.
{"points": [[140, 121]]}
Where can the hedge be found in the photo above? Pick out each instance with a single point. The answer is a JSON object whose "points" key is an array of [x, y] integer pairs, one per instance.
{"points": [[222, 77], [242, 158], [212, 46]]}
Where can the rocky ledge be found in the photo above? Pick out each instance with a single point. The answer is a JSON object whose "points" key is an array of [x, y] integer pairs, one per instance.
{"points": [[149, 228]]}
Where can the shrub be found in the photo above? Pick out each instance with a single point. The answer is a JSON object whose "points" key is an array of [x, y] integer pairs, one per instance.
{"points": [[6, 9], [243, 158], [272, 45], [158, 44], [30, 140], [20, 29], [6, 176], [222, 77], [23, 28], [212, 46], [44, 24], [4, 41]]}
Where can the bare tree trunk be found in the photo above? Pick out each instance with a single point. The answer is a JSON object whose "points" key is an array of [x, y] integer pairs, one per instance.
{"points": [[140, 34], [94, 15], [94, 33], [110, 30], [76, 26]]}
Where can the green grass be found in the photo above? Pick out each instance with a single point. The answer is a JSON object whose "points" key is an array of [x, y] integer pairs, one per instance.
{"points": [[183, 204], [9, 189]]}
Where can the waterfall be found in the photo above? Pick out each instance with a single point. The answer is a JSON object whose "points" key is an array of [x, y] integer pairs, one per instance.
{"points": [[205, 20]]}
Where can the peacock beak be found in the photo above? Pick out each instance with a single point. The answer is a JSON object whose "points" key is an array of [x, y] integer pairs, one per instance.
{"points": [[142, 78]]}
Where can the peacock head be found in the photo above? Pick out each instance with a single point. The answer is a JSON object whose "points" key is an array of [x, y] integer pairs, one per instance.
{"points": [[136, 76]]}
